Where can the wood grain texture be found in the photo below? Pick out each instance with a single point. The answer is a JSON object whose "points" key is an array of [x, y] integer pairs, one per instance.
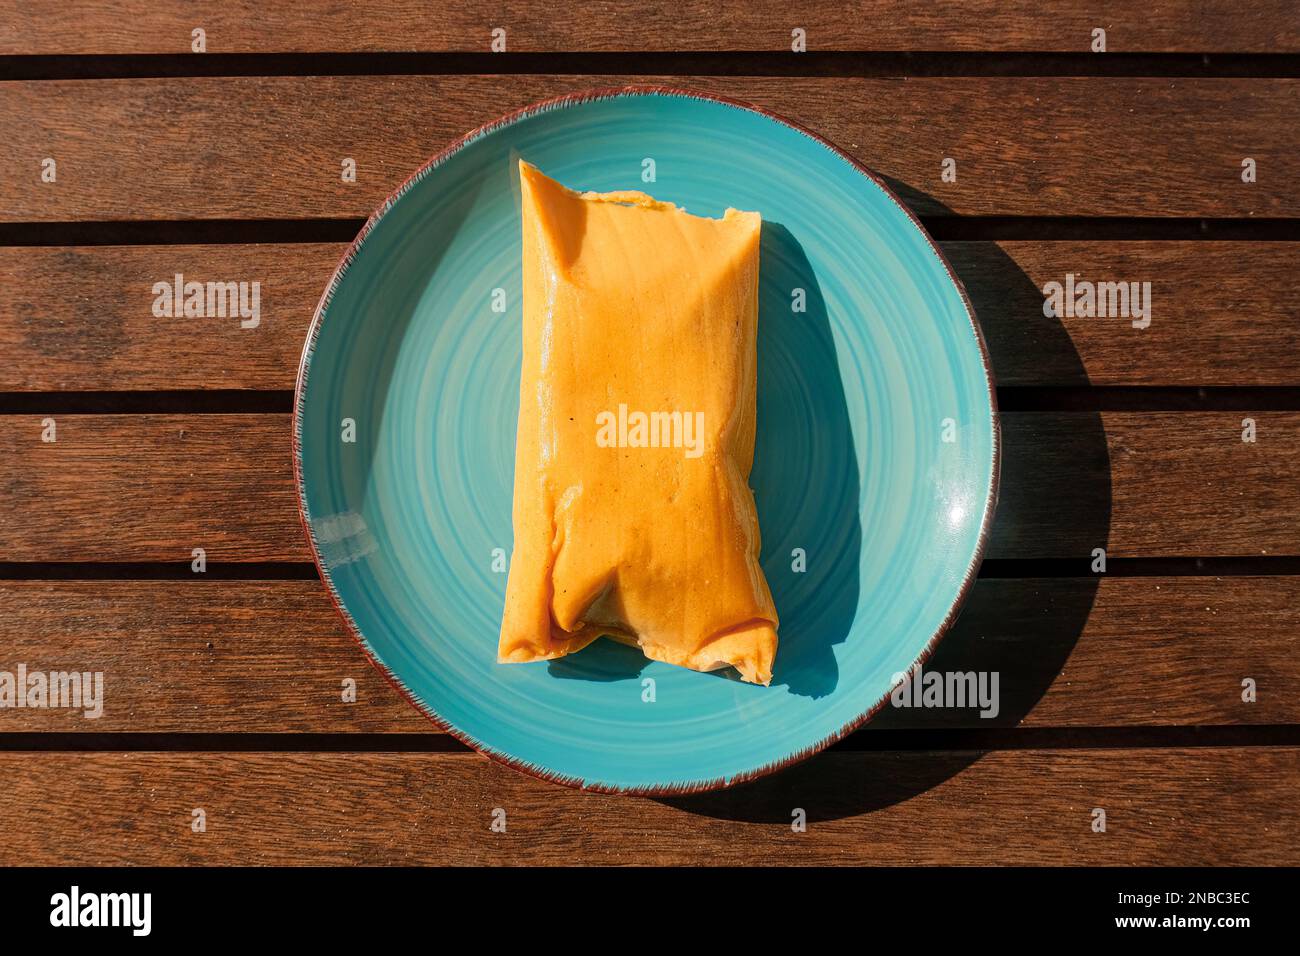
{"points": [[198, 657], [1223, 313], [204, 655], [259, 26], [153, 487], [81, 318], [150, 488], [1195, 806], [1148, 484], [271, 656], [271, 147]]}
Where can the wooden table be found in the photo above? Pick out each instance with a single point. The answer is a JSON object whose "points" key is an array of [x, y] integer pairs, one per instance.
{"points": [[1121, 690]]}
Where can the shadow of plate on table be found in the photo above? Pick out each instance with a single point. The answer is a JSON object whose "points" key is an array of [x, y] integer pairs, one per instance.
{"points": [[1054, 501]]}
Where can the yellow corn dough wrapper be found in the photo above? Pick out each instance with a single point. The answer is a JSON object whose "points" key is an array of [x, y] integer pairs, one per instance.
{"points": [[633, 516]]}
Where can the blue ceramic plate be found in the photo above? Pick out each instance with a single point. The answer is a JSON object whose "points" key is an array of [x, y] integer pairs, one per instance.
{"points": [[875, 471]]}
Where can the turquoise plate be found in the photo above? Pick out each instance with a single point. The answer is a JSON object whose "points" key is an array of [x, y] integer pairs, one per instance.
{"points": [[875, 471]]}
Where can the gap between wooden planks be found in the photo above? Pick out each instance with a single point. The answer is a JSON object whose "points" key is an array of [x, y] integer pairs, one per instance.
{"points": [[1189, 807], [272, 656], [272, 147], [1223, 314]]}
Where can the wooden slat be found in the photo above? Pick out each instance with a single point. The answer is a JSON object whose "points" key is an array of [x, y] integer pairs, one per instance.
{"points": [[1223, 313], [1125, 652], [271, 656], [258, 26], [81, 318], [150, 488], [1148, 484], [197, 657], [1198, 806], [271, 147], [153, 487]]}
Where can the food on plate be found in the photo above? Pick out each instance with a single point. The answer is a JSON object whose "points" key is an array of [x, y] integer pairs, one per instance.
{"points": [[633, 516]]}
